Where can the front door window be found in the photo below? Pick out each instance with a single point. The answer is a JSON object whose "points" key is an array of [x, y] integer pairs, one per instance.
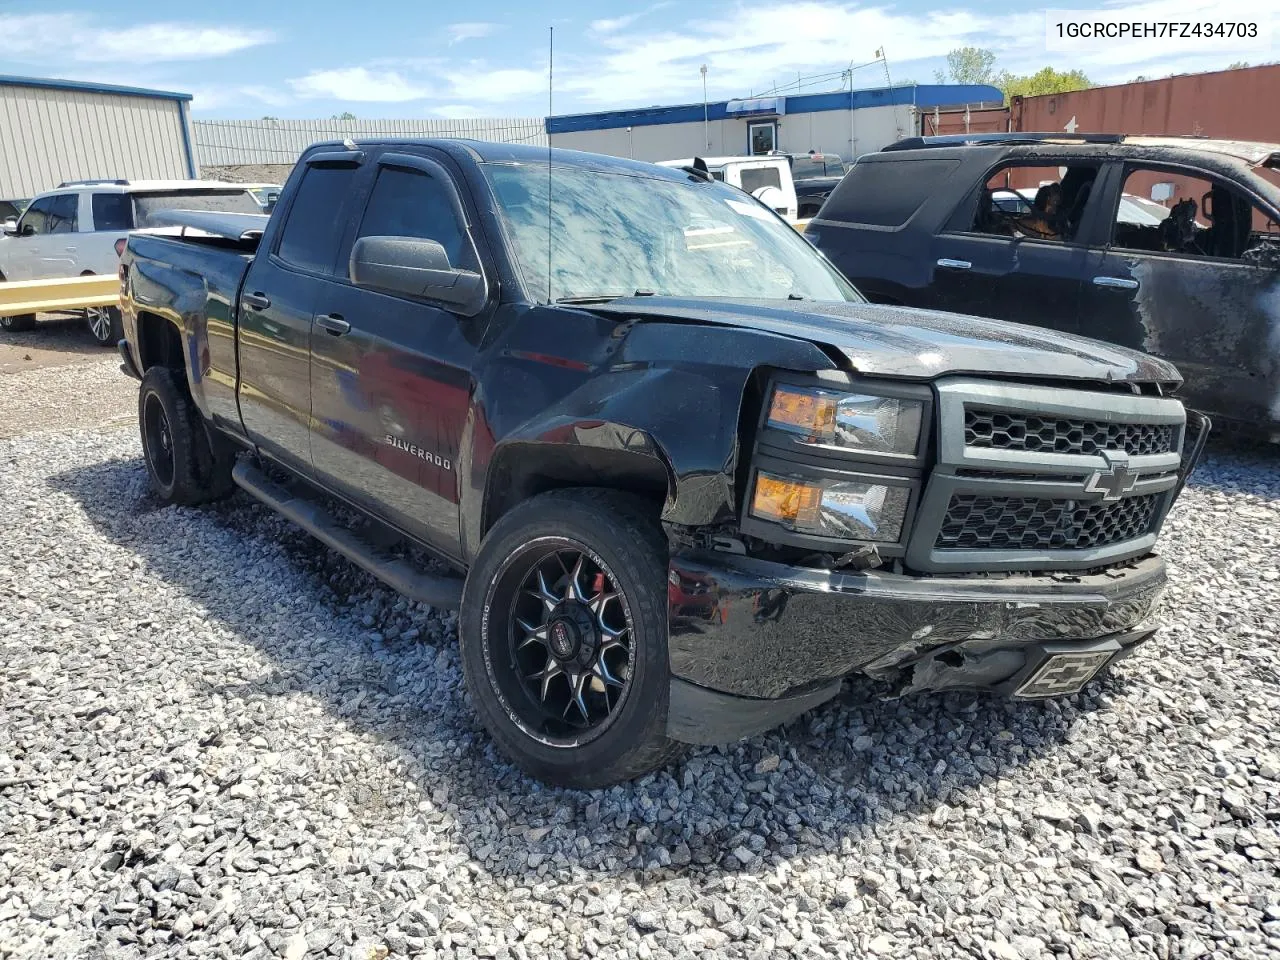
{"points": [[762, 138]]}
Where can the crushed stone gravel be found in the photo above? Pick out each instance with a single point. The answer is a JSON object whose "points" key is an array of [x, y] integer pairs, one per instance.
{"points": [[218, 739]]}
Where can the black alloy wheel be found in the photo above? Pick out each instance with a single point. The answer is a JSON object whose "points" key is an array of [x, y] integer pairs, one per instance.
{"points": [[158, 440], [563, 630], [186, 465], [569, 657]]}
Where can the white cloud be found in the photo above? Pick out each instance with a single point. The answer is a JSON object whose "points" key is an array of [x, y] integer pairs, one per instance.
{"points": [[457, 111], [83, 39], [481, 82], [614, 24], [470, 31], [358, 84]]}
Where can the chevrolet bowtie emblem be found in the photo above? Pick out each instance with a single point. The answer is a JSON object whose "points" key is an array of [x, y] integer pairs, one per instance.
{"points": [[1113, 483]]}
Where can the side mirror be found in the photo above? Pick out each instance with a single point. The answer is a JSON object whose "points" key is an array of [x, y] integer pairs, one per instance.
{"points": [[11, 226], [416, 268]]}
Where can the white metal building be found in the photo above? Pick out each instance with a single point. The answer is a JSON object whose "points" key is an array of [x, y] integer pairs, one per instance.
{"points": [[56, 130], [221, 143], [846, 122]]}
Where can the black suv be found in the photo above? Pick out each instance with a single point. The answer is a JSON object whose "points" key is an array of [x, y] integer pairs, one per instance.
{"points": [[1166, 244]]}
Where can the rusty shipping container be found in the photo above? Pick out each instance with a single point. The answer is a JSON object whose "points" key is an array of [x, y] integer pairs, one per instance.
{"points": [[1226, 105]]}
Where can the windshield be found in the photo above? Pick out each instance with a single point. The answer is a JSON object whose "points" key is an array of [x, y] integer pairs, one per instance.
{"points": [[619, 234], [220, 201]]}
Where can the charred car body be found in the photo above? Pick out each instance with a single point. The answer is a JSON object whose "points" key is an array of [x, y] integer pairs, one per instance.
{"points": [[682, 515], [1170, 245]]}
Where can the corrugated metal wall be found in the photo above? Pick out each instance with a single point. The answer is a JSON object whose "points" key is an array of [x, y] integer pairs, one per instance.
{"points": [[828, 130], [227, 142], [47, 136]]}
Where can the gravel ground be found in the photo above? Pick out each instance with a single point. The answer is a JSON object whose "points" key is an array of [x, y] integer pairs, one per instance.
{"points": [[219, 740]]}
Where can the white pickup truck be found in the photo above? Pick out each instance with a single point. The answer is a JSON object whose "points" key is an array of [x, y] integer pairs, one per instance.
{"points": [[72, 232], [768, 179]]}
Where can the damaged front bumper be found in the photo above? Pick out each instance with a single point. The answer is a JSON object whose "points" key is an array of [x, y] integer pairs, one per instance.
{"points": [[754, 643]]}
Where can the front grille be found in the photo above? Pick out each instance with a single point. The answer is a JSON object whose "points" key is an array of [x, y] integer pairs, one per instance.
{"points": [[974, 522], [1018, 431]]}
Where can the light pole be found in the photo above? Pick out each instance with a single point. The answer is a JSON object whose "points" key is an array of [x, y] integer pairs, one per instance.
{"points": [[706, 127], [631, 147]]}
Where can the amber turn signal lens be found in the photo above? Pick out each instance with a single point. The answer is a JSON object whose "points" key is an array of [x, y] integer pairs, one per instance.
{"points": [[786, 501], [805, 411]]}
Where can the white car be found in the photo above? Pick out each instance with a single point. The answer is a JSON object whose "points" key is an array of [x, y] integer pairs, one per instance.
{"points": [[768, 179], [72, 232]]}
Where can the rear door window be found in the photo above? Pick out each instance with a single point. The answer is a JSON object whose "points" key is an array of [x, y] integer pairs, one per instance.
{"points": [[886, 194], [64, 213], [314, 226], [112, 212], [753, 178]]}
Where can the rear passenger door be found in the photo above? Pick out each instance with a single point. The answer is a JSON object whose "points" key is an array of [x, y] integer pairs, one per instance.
{"points": [[390, 373], [277, 304]]}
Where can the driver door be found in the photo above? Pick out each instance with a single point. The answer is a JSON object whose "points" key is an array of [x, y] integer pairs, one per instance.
{"points": [[25, 252]]}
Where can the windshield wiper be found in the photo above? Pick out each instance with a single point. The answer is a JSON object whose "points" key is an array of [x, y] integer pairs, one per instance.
{"points": [[602, 297]]}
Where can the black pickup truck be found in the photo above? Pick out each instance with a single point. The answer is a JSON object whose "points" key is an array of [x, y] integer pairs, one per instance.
{"points": [[684, 477]]}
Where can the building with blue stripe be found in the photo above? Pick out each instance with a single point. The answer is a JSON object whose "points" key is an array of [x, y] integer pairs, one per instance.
{"points": [[845, 122]]}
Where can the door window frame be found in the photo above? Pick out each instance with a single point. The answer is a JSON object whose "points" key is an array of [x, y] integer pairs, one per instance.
{"points": [[31, 208], [1123, 170], [773, 127], [358, 161], [74, 219], [966, 211], [433, 169]]}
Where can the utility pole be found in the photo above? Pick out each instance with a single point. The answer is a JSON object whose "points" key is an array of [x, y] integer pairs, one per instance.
{"points": [[706, 126]]}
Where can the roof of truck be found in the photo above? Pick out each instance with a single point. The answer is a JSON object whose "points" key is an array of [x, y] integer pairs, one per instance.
{"points": [[1251, 152], [486, 151]]}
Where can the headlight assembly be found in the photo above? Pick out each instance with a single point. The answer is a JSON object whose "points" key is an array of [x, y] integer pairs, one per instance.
{"points": [[842, 509], [846, 419]]}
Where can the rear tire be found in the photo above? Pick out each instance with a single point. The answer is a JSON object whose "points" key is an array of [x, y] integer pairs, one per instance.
{"points": [[566, 605], [183, 466], [105, 325]]}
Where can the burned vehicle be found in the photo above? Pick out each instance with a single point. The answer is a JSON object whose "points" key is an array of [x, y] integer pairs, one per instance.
{"points": [[679, 477], [1170, 245]]}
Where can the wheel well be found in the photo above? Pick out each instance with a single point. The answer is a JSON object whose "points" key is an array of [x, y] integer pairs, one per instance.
{"points": [[159, 343], [526, 470]]}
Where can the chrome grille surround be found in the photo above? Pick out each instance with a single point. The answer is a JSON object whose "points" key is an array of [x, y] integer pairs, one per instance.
{"points": [[1010, 508]]}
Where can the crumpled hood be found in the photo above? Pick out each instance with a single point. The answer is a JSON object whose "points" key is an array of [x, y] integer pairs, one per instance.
{"points": [[910, 343]]}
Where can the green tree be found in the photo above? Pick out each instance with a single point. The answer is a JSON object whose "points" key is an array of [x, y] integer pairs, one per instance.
{"points": [[968, 65], [1239, 65], [269, 117], [346, 115], [1046, 80]]}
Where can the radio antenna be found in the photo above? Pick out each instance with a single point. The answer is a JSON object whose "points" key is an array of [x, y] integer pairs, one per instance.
{"points": [[551, 53]]}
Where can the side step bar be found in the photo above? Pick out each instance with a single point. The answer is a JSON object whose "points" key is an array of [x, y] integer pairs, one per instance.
{"points": [[437, 591]]}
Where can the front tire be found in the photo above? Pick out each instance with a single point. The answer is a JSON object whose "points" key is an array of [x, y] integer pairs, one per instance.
{"points": [[19, 324], [564, 638], [184, 467], [105, 325]]}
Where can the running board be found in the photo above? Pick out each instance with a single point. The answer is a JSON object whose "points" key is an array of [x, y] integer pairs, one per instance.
{"points": [[436, 591]]}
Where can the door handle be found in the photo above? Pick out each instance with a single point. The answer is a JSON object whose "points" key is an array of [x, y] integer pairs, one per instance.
{"points": [[1118, 283], [950, 264], [256, 301], [334, 324]]}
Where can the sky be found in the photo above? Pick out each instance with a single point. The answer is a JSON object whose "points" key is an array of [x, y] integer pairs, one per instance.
{"points": [[384, 59]]}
